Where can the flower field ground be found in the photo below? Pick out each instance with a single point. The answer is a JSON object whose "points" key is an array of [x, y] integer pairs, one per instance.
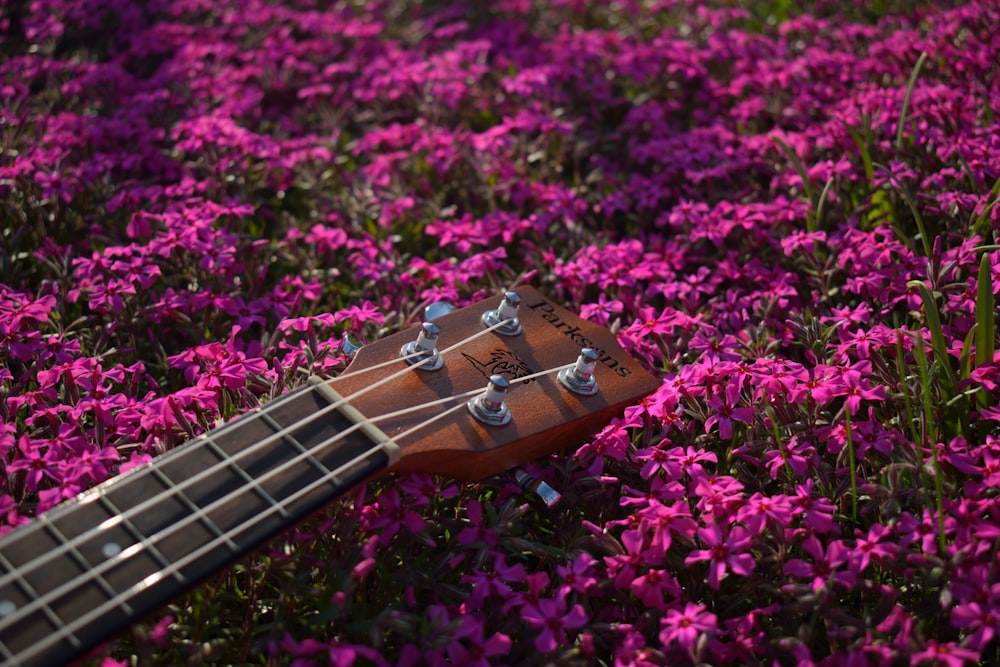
{"points": [[786, 211]]}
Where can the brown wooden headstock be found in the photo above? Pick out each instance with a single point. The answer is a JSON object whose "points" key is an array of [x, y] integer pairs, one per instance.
{"points": [[545, 415]]}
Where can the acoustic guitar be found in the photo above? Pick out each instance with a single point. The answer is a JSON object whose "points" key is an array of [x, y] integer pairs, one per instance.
{"points": [[469, 394]]}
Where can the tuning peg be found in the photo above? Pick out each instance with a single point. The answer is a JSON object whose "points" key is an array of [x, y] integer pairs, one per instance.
{"points": [[437, 309], [425, 346], [506, 313], [580, 378], [527, 482], [348, 347], [489, 407]]}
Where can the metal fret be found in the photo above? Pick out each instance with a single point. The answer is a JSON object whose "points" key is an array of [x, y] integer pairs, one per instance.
{"points": [[298, 446], [31, 594], [105, 559], [137, 534], [102, 583], [196, 509], [211, 444]]}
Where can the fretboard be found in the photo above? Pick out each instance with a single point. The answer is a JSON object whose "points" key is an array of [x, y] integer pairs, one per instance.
{"points": [[87, 570]]}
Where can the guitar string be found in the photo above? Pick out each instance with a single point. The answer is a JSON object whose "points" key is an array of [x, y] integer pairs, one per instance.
{"points": [[225, 429], [175, 567], [207, 472]]}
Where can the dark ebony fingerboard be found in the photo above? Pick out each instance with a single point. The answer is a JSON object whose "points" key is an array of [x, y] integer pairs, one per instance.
{"points": [[85, 571]]}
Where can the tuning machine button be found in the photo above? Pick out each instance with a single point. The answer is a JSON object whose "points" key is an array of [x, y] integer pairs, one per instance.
{"points": [[506, 313], [349, 347], [528, 482], [490, 408], [437, 309], [425, 348], [580, 378]]}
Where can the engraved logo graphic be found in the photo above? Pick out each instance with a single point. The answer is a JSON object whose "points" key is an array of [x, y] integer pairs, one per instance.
{"points": [[501, 361]]}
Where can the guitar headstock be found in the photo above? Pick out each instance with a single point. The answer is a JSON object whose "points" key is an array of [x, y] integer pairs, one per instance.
{"points": [[544, 413]]}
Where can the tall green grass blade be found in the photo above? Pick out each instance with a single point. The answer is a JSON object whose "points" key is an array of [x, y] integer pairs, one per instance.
{"points": [[938, 343], [906, 99], [930, 434], [982, 225], [797, 163], [925, 240], [852, 462], [863, 148], [819, 205], [985, 314], [965, 360], [901, 369]]}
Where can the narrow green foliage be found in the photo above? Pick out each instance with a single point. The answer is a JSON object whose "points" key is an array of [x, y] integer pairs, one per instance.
{"points": [[985, 314], [925, 239], [907, 403], [803, 174], [965, 361], [813, 222], [982, 225], [931, 433], [852, 462], [864, 143], [906, 99], [879, 209], [938, 343]]}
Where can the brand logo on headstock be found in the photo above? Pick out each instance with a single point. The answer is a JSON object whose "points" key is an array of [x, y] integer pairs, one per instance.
{"points": [[503, 362], [549, 314]]}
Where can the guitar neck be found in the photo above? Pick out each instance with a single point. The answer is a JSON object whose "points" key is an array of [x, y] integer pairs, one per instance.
{"points": [[84, 572]]}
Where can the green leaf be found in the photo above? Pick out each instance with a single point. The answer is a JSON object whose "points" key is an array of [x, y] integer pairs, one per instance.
{"points": [[930, 422], [797, 163], [938, 343], [863, 144], [985, 314], [982, 225], [906, 99], [925, 239], [965, 361]]}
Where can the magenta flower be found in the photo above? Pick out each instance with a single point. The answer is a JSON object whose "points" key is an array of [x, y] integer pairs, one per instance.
{"points": [[38, 461], [983, 620], [826, 564], [393, 516], [872, 547], [475, 649], [577, 575], [761, 511], [685, 626], [727, 411], [944, 654], [493, 582], [551, 616], [725, 552]]}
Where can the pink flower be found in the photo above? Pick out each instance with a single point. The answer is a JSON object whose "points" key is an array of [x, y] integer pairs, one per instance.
{"points": [[825, 566], [393, 516], [725, 552], [551, 615], [726, 411], [685, 626], [944, 654]]}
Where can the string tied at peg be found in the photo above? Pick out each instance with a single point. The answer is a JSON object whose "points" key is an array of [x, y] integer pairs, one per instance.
{"points": [[423, 351], [506, 313], [580, 377], [489, 407]]}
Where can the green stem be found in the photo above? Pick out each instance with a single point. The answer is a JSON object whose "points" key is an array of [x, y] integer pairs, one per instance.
{"points": [[853, 463]]}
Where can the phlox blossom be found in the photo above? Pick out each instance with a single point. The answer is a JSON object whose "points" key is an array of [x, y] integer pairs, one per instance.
{"points": [[725, 552], [685, 626]]}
